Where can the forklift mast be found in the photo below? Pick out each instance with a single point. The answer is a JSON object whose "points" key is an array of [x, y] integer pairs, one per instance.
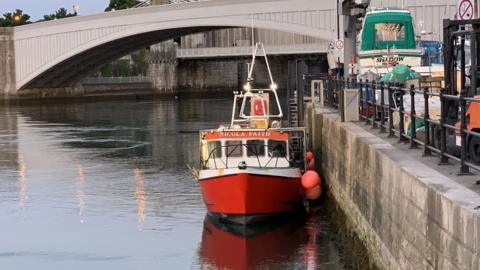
{"points": [[460, 55]]}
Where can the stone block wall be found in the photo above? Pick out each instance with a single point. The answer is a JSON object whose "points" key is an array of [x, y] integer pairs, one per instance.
{"points": [[7, 63], [408, 215], [163, 67], [220, 75]]}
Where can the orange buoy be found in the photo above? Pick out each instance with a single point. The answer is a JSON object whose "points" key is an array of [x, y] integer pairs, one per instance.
{"points": [[310, 179], [309, 155], [313, 193], [311, 165]]}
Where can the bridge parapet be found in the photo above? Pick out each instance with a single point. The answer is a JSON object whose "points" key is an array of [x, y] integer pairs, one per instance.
{"points": [[214, 52]]}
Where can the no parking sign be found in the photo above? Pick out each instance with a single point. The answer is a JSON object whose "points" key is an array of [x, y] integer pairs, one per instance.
{"points": [[465, 10]]}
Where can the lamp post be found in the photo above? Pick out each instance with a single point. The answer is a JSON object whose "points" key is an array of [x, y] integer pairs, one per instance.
{"points": [[16, 18], [76, 8]]}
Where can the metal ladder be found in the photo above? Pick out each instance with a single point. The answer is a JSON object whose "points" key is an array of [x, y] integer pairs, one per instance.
{"points": [[293, 111]]}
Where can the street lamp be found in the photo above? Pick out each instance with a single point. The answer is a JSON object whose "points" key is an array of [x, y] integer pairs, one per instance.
{"points": [[17, 18]]}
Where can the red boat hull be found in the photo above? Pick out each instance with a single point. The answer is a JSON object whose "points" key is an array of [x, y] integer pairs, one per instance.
{"points": [[249, 198]]}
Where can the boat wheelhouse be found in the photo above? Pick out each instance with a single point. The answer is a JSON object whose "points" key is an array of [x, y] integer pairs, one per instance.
{"points": [[387, 39]]}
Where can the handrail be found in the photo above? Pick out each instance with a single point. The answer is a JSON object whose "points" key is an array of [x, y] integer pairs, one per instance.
{"points": [[305, 48], [147, 3], [441, 135], [115, 80]]}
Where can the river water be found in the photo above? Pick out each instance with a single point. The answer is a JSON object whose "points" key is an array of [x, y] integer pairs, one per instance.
{"points": [[105, 185]]}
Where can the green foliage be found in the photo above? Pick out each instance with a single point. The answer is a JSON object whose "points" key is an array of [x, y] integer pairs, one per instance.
{"points": [[136, 64], [122, 68], [14, 19], [106, 70], [121, 4], [59, 14], [140, 59]]}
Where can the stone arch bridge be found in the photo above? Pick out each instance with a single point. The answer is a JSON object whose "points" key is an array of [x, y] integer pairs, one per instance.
{"points": [[59, 53]]}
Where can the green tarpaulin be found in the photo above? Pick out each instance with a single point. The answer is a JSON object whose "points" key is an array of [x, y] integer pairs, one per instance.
{"points": [[400, 73]]}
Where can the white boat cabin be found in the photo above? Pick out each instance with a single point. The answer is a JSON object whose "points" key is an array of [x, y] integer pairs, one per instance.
{"points": [[232, 149]]}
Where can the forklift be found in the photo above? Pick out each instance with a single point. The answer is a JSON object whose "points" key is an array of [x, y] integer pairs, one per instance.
{"points": [[461, 51]]}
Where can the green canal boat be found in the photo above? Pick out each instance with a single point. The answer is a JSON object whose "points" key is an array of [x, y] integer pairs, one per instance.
{"points": [[388, 39]]}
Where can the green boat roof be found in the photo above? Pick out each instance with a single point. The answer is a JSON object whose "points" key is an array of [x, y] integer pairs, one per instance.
{"points": [[369, 38]]}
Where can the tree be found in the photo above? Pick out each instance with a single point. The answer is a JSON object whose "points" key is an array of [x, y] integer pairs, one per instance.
{"points": [[14, 19], [59, 14], [121, 4]]}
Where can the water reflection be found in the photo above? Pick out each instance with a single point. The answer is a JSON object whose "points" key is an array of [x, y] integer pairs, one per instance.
{"points": [[80, 192], [22, 183], [140, 195], [8, 138], [278, 245]]}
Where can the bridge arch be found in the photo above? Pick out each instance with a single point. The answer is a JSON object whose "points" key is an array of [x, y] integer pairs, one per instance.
{"points": [[85, 43]]}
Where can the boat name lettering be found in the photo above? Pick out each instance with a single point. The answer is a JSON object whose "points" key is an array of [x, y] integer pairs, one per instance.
{"points": [[386, 59], [245, 134]]}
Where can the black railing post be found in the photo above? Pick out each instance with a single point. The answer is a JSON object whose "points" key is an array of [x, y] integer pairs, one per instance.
{"points": [[340, 96], [330, 93], [374, 105], [443, 129], [382, 107], [391, 133], [426, 123], [413, 118], [337, 93], [401, 114], [464, 169], [366, 102], [360, 92]]}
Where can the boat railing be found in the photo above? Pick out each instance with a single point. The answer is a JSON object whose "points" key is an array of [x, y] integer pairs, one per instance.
{"points": [[275, 154]]}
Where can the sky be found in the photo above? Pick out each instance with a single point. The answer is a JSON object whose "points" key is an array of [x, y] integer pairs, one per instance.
{"points": [[37, 8]]}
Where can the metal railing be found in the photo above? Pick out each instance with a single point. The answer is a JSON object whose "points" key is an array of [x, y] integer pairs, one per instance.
{"points": [[147, 3], [115, 80], [308, 48], [406, 113]]}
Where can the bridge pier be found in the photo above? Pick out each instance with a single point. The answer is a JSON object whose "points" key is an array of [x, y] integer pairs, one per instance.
{"points": [[7, 63], [163, 68]]}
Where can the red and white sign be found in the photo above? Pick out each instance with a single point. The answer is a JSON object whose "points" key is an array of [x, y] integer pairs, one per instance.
{"points": [[339, 44], [245, 134], [465, 10]]}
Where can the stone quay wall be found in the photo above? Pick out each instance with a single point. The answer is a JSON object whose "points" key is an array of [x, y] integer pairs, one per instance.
{"points": [[407, 215]]}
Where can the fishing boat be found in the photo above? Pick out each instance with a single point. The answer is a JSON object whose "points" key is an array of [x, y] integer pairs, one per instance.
{"points": [[251, 169], [388, 38]]}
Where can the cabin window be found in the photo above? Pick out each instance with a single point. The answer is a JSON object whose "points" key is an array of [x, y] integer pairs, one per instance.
{"points": [[277, 148], [389, 32], [255, 148], [215, 149], [234, 148]]}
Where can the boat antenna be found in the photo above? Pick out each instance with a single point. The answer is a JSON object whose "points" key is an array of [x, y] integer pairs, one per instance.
{"points": [[250, 68], [253, 37]]}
